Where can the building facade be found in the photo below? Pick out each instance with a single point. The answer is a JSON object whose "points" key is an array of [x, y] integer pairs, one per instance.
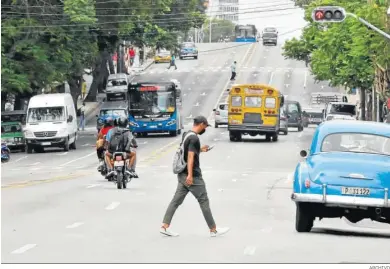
{"points": [[224, 9]]}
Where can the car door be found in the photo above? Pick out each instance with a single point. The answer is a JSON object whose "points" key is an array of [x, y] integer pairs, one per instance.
{"points": [[223, 110]]}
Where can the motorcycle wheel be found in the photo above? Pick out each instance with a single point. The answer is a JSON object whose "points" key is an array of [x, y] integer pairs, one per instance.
{"points": [[119, 181], [125, 182]]}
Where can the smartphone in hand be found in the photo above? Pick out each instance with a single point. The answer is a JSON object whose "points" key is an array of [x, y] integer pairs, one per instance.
{"points": [[211, 147]]}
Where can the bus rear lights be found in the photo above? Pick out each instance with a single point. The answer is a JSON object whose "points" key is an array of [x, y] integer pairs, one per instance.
{"points": [[237, 90], [270, 92]]}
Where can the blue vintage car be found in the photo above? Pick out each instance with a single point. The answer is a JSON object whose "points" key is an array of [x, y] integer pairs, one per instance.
{"points": [[345, 174]]}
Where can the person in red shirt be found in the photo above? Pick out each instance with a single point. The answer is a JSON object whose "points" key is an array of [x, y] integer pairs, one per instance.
{"points": [[132, 56], [108, 125], [115, 59]]}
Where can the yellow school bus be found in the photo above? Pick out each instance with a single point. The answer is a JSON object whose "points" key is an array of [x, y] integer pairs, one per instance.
{"points": [[254, 109]]}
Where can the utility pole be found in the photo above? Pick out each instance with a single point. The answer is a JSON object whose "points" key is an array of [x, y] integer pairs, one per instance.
{"points": [[210, 31]]}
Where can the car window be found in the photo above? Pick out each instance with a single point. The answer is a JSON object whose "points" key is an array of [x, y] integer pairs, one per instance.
{"points": [[253, 101], [356, 142], [270, 102], [236, 101], [292, 108], [223, 107]]}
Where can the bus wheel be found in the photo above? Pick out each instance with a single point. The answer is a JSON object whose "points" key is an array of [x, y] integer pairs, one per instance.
{"points": [[145, 134], [173, 133], [233, 136], [268, 138], [275, 137]]}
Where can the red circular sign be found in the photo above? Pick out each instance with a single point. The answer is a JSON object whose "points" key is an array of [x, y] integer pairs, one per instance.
{"points": [[319, 15]]}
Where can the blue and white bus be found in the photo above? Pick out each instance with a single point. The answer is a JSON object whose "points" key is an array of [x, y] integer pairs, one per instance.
{"points": [[155, 108], [246, 33]]}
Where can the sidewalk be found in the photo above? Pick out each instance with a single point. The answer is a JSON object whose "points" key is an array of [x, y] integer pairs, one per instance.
{"points": [[137, 68]]}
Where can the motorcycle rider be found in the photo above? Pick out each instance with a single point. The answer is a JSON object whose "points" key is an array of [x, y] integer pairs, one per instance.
{"points": [[101, 141], [129, 142]]}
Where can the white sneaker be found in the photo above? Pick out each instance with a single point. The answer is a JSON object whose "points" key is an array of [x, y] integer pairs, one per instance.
{"points": [[168, 232], [219, 232]]}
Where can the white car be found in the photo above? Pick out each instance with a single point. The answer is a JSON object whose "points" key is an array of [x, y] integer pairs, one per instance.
{"points": [[221, 114]]}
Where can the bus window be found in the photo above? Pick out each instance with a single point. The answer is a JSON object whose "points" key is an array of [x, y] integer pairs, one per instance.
{"points": [[253, 101], [270, 102], [236, 101]]}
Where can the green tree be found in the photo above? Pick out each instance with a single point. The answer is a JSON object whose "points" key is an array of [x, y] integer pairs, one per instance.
{"points": [[219, 29]]}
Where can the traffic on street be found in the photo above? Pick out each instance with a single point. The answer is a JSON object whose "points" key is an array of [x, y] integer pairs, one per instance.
{"points": [[278, 188]]}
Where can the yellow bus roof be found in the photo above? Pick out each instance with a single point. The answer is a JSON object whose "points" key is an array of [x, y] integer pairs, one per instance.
{"points": [[254, 86]]}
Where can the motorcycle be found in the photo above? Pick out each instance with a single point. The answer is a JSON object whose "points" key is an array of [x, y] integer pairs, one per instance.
{"points": [[5, 153], [120, 176]]}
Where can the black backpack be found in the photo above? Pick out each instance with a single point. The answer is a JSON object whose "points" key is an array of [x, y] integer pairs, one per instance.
{"points": [[118, 140]]}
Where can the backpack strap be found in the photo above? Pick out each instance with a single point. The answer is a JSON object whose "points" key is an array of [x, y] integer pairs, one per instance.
{"points": [[185, 138]]}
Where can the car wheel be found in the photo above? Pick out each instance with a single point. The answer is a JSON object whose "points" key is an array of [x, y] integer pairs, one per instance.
{"points": [[268, 138], [304, 220], [181, 58], [196, 57], [66, 145], [275, 137], [285, 132], [215, 125], [300, 128], [73, 145], [29, 149]]}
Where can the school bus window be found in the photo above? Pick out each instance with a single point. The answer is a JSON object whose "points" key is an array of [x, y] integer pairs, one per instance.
{"points": [[270, 102], [236, 101], [253, 101]]}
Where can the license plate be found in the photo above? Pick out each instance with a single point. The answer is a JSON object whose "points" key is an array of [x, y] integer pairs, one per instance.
{"points": [[153, 126], [119, 163], [355, 191], [46, 143]]}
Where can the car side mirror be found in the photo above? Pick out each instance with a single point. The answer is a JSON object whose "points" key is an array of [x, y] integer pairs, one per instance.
{"points": [[303, 153], [214, 109], [70, 119]]}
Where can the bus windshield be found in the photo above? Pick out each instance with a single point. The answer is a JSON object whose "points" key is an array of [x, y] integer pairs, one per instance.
{"points": [[245, 31], [152, 103]]}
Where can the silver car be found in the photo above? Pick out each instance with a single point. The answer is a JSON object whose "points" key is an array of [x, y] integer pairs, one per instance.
{"points": [[221, 114], [283, 123]]}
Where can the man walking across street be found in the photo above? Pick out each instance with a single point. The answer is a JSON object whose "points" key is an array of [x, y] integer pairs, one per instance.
{"points": [[82, 117], [173, 61], [233, 67], [191, 180], [132, 56]]}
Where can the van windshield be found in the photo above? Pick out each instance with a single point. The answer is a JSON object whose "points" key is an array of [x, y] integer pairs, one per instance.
{"points": [[46, 114], [343, 109]]}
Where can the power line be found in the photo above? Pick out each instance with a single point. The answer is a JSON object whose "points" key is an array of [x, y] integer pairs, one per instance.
{"points": [[166, 25], [151, 20]]}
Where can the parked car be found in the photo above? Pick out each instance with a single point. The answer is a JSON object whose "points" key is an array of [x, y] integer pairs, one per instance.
{"points": [[188, 49], [345, 174], [294, 114], [283, 121], [221, 114]]}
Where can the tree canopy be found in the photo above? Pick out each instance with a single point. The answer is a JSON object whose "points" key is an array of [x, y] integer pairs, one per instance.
{"points": [[47, 42], [345, 53]]}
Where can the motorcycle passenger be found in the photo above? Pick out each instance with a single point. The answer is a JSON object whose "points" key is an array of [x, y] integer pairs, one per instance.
{"points": [[120, 139], [101, 141]]}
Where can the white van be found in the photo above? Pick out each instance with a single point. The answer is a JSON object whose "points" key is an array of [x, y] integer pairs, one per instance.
{"points": [[51, 122]]}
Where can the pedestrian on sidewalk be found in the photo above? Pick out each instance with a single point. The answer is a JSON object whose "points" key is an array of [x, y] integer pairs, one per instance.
{"points": [[191, 180], [233, 68], [115, 60], [83, 89], [172, 62], [132, 56], [82, 117]]}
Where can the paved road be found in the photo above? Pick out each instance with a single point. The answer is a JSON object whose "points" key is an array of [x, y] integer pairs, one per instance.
{"points": [[57, 208]]}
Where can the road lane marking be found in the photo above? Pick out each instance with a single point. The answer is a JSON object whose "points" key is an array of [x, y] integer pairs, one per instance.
{"points": [[62, 154], [93, 186], [189, 117], [75, 160], [112, 206], [271, 78], [197, 104], [74, 225], [203, 94], [34, 163], [18, 160], [249, 250], [35, 168], [24, 249]]}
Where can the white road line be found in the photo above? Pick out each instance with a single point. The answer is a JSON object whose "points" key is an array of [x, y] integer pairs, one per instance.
{"points": [[249, 250], [24, 249], [203, 94], [304, 83], [62, 154], [22, 158], [34, 169], [34, 163], [271, 78], [163, 166], [112, 206], [85, 145], [74, 225], [197, 104], [244, 175], [75, 160], [93, 186], [189, 117]]}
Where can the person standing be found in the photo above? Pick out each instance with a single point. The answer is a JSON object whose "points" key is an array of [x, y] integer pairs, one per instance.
{"points": [[191, 180], [172, 62], [115, 60], [233, 68], [82, 117], [83, 89], [8, 106], [132, 56]]}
